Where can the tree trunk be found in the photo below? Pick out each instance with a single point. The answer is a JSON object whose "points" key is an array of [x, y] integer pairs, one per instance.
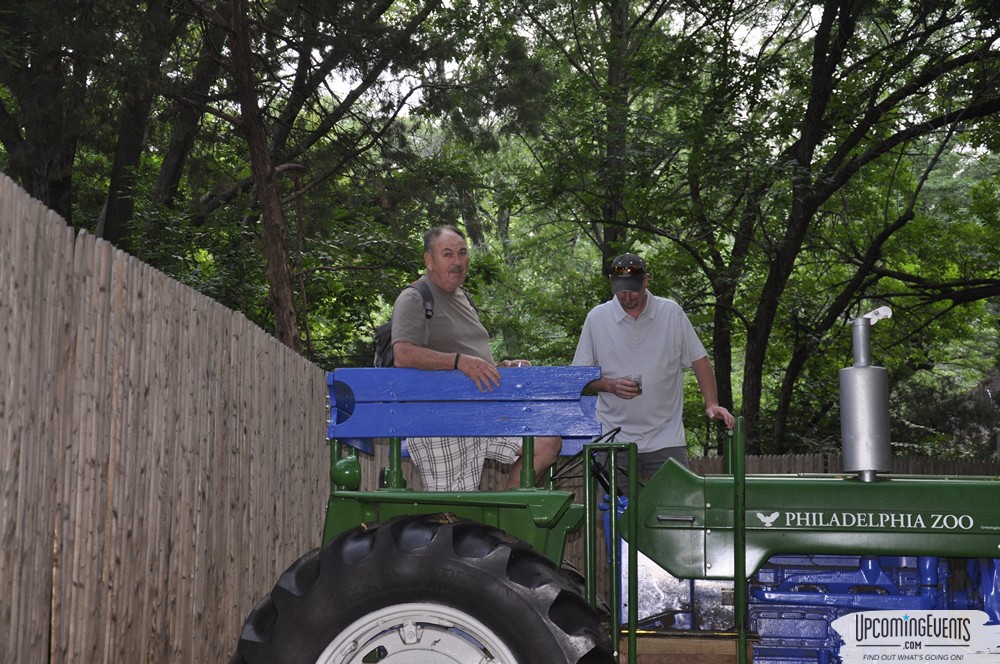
{"points": [[616, 134], [40, 130], [119, 207], [759, 332], [185, 127], [470, 215], [279, 273]]}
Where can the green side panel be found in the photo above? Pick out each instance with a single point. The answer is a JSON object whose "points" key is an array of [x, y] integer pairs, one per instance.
{"points": [[686, 521], [543, 519], [895, 515], [672, 521]]}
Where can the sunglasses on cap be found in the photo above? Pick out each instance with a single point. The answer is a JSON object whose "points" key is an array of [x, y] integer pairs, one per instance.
{"points": [[631, 270]]}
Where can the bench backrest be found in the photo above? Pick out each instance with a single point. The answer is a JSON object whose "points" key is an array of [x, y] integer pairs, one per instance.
{"points": [[390, 403]]}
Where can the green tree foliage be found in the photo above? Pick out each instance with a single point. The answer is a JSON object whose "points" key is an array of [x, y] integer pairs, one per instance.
{"points": [[141, 108], [780, 151], [783, 166]]}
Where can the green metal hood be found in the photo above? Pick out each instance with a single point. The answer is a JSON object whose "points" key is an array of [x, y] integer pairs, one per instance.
{"points": [[686, 522]]}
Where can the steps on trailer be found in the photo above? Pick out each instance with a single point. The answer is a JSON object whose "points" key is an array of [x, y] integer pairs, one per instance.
{"points": [[660, 649]]}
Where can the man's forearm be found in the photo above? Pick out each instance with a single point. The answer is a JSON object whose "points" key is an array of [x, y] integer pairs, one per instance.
{"points": [[602, 384], [706, 381], [412, 356]]}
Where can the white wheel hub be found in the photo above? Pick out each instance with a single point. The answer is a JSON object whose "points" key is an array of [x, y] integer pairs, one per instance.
{"points": [[417, 633]]}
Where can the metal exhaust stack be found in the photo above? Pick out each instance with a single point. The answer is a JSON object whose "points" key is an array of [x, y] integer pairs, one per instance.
{"points": [[864, 405]]}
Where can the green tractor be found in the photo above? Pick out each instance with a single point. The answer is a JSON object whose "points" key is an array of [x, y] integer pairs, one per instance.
{"points": [[850, 567]]}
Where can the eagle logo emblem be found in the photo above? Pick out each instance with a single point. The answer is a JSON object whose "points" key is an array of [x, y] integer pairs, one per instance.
{"points": [[768, 519]]}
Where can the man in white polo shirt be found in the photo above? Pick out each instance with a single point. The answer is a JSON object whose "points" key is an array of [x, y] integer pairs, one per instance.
{"points": [[636, 332]]}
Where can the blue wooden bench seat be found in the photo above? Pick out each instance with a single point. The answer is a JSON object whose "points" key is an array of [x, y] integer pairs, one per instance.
{"points": [[368, 404], [390, 404]]}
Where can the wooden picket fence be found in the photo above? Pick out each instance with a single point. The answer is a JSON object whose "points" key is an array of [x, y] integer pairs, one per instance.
{"points": [[162, 459]]}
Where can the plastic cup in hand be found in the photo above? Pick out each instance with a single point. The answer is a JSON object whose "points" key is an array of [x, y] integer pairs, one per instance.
{"points": [[637, 379]]}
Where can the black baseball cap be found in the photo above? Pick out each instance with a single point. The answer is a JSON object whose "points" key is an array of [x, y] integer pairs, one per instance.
{"points": [[628, 273]]}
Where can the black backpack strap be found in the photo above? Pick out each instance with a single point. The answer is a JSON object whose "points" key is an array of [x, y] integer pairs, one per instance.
{"points": [[425, 292]]}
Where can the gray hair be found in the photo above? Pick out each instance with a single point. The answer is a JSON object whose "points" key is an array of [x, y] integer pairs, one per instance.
{"points": [[434, 233]]}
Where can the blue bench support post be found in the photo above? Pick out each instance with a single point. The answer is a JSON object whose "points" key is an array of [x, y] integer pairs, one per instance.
{"points": [[371, 405]]}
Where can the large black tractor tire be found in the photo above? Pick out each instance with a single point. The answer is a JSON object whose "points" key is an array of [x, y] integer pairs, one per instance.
{"points": [[424, 590]]}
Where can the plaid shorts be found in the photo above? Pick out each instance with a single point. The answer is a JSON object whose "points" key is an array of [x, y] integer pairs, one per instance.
{"points": [[456, 464]]}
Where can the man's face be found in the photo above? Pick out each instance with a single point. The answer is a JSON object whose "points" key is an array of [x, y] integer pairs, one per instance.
{"points": [[448, 261], [633, 301]]}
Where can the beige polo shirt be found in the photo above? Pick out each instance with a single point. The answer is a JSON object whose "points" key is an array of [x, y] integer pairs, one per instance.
{"points": [[454, 328]]}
